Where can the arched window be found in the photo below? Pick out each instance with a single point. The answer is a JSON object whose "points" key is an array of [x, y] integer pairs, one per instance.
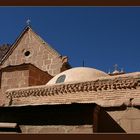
{"points": [[61, 79]]}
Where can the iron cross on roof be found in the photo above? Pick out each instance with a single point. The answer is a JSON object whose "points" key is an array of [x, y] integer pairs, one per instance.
{"points": [[28, 22], [115, 67]]}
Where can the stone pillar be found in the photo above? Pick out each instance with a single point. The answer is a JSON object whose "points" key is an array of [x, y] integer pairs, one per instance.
{"points": [[96, 118]]}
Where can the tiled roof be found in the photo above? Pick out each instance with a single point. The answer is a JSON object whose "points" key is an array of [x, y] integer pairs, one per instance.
{"points": [[105, 92]]}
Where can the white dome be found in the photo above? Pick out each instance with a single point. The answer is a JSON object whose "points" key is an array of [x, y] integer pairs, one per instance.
{"points": [[78, 74], [116, 72]]}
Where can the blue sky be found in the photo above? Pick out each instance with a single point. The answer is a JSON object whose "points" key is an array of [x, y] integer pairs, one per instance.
{"points": [[101, 36]]}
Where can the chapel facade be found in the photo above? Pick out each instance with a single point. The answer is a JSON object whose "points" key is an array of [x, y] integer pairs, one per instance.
{"points": [[30, 61], [41, 93]]}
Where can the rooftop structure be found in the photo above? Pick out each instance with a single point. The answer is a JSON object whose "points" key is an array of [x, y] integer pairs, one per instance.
{"points": [[41, 93]]}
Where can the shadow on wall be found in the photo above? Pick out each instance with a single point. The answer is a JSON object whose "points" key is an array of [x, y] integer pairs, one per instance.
{"points": [[106, 124]]}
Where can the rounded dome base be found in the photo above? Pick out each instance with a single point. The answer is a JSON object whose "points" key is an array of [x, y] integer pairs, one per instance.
{"points": [[78, 74]]}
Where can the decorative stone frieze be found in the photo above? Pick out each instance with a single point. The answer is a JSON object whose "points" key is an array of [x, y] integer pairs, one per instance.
{"points": [[89, 86]]}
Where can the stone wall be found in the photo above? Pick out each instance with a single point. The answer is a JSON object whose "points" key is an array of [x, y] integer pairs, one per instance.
{"points": [[56, 129], [12, 79], [58, 94], [30, 48], [128, 119], [21, 76]]}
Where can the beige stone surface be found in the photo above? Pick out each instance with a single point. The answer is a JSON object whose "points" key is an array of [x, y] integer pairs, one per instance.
{"points": [[136, 125], [128, 119], [8, 125], [126, 125], [117, 115], [83, 97], [132, 113], [56, 129], [9, 80]]}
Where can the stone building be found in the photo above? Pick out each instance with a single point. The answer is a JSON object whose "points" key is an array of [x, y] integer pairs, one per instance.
{"points": [[30, 61], [41, 93]]}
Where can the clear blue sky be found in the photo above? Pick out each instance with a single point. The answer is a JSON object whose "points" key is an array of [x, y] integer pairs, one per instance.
{"points": [[101, 36]]}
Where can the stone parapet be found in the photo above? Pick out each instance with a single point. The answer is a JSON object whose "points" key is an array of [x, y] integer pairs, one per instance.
{"points": [[105, 92]]}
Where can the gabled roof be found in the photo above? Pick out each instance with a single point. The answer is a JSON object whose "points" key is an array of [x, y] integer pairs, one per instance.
{"points": [[14, 45]]}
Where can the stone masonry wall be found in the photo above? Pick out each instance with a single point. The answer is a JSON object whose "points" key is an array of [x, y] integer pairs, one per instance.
{"points": [[57, 129], [13, 79], [31, 49], [103, 98], [128, 119], [21, 76]]}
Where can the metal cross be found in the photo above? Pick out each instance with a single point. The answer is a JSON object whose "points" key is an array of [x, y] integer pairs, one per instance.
{"points": [[28, 22], [109, 71], [115, 67], [122, 70]]}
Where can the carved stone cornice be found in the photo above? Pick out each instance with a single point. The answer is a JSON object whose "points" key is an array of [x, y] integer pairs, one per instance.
{"points": [[89, 86]]}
